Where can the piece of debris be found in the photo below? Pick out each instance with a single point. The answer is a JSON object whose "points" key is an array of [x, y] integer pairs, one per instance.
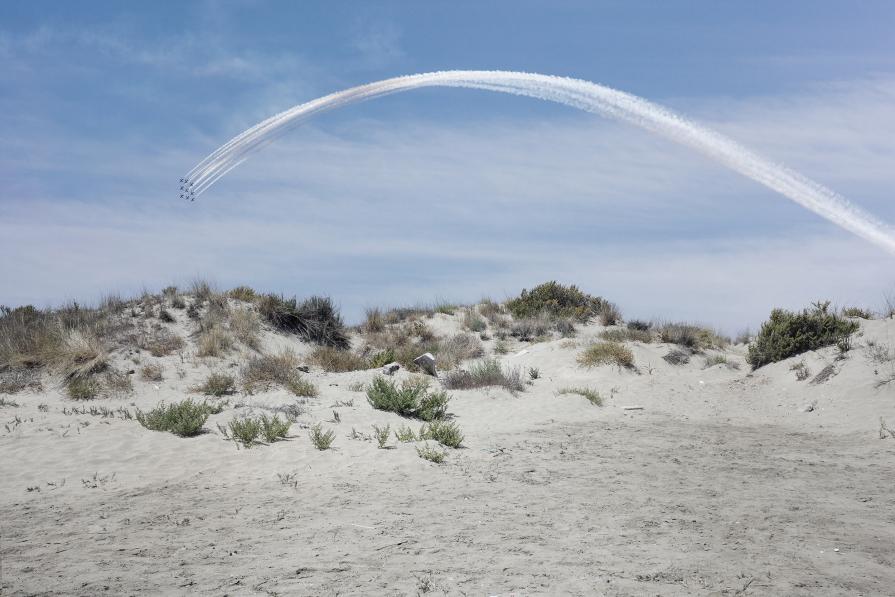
{"points": [[809, 407], [426, 362], [632, 408], [304, 368], [391, 368]]}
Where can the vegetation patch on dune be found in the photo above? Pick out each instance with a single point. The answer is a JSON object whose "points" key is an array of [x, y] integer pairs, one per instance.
{"points": [[592, 395], [263, 372], [562, 301], [692, 336], [315, 319], [184, 418], [789, 333], [606, 353], [218, 384], [412, 398], [485, 373]]}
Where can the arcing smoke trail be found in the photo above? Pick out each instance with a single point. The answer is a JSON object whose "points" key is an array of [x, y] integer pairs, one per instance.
{"points": [[583, 95]]}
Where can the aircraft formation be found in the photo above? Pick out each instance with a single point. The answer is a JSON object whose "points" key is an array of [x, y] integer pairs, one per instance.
{"points": [[186, 189]]}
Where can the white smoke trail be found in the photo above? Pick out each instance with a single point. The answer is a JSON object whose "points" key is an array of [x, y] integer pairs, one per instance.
{"points": [[576, 93]]}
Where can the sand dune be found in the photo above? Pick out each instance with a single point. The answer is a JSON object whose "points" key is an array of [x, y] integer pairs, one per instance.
{"points": [[725, 482]]}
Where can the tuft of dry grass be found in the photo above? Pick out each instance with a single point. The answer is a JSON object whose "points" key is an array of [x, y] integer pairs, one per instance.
{"points": [[720, 359], [246, 326], [214, 341], [160, 343], [592, 395], [245, 294], [694, 337], [152, 372], [450, 352], [334, 360], [626, 335], [606, 353], [218, 384], [486, 373], [374, 322], [263, 372]]}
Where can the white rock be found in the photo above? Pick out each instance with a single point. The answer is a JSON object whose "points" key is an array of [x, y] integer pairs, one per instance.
{"points": [[426, 363], [390, 368]]}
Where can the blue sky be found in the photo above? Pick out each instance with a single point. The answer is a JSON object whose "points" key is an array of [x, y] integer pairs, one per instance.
{"points": [[438, 193]]}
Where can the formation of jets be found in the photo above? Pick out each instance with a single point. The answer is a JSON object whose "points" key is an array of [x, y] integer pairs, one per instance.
{"points": [[186, 189]]}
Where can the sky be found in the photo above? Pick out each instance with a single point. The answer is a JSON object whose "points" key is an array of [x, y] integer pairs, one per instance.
{"points": [[443, 194]]}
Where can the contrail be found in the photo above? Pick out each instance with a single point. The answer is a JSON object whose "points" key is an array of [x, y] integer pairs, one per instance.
{"points": [[576, 93]]}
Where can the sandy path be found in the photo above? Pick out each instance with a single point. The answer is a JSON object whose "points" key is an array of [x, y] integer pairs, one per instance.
{"points": [[624, 506]]}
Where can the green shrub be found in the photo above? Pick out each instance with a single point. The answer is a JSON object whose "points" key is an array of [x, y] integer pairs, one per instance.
{"points": [[322, 440], [857, 312], [639, 325], [446, 434], [184, 418], [592, 396], [405, 434], [244, 431], [273, 429], [382, 358], [315, 319], [557, 300], [789, 333], [381, 434], [606, 353], [411, 399], [83, 388], [485, 373], [431, 454], [218, 384]]}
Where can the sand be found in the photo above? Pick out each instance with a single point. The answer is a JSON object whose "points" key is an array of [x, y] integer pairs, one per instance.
{"points": [[724, 483]]}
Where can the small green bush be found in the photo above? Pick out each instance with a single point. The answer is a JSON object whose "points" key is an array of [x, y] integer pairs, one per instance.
{"points": [[446, 434], [184, 418], [431, 454], [244, 431], [382, 358], [788, 333], [606, 353], [556, 300], [593, 396], [405, 434], [273, 429], [720, 359], [381, 434], [411, 399], [322, 440], [857, 312]]}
